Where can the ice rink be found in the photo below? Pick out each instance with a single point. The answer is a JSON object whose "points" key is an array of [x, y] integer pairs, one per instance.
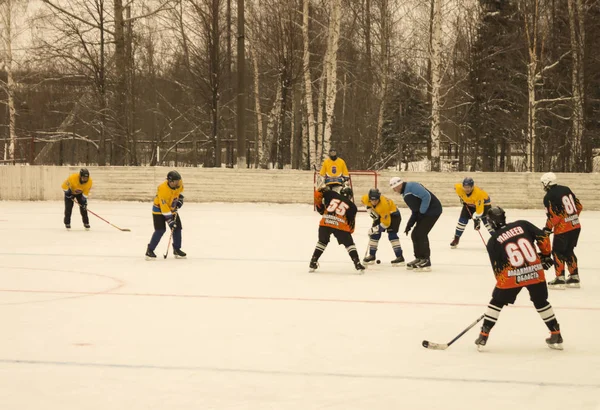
{"points": [[87, 323]]}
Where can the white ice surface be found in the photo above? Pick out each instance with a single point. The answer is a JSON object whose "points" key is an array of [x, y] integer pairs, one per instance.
{"points": [[87, 323]]}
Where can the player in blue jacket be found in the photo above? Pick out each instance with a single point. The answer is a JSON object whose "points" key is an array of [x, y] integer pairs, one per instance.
{"points": [[426, 210]]}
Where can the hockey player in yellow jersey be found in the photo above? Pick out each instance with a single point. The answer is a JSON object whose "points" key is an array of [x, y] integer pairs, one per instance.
{"points": [[167, 202], [77, 188], [476, 202], [334, 170], [386, 217]]}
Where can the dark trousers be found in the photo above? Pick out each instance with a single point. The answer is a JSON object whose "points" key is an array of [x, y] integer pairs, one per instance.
{"points": [[563, 250], [69, 210], [420, 236], [160, 227]]}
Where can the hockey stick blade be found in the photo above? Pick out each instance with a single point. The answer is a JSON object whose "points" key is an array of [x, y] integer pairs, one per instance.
{"points": [[434, 346], [438, 346]]}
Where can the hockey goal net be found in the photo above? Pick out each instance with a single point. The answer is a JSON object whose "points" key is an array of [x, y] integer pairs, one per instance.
{"points": [[360, 182]]}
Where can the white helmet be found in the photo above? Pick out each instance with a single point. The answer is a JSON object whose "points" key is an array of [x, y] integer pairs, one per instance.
{"points": [[395, 182], [548, 179]]}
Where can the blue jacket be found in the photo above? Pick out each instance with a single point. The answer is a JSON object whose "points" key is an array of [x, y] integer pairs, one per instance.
{"points": [[420, 201]]}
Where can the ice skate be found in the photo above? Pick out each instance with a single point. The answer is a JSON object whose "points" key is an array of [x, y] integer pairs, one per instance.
{"points": [[411, 265], [454, 242], [481, 341], [313, 265], [86, 226], [424, 265], [179, 254], [555, 340], [369, 260], [573, 281], [150, 255], [558, 283], [399, 261], [360, 269], [68, 227]]}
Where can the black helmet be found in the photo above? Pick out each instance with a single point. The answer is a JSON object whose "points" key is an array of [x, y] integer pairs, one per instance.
{"points": [[347, 192], [374, 194], [173, 176], [83, 173], [468, 181], [497, 217], [332, 153]]}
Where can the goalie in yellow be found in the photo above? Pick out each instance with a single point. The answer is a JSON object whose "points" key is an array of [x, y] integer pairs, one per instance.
{"points": [[386, 217], [476, 202], [77, 188], [334, 170]]}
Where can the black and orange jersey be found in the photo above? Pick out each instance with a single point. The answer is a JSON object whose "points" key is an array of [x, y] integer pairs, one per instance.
{"points": [[515, 260], [562, 209], [338, 211]]}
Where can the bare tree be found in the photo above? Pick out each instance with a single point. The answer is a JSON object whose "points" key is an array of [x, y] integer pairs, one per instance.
{"points": [[308, 90], [331, 71], [6, 15], [436, 79], [577, 31]]}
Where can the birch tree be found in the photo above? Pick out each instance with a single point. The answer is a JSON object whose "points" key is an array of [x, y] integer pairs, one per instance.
{"points": [[7, 12], [308, 89], [385, 37], [436, 79], [331, 72], [577, 31]]}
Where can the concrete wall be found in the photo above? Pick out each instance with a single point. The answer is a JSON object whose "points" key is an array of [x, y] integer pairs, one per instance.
{"points": [[509, 190]]}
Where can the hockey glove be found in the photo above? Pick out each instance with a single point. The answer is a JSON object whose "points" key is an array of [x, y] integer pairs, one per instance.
{"points": [[477, 223], [376, 229], [372, 213], [68, 194], [83, 204], [547, 261], [179, 202], [172, 223], [547, 231], [407, 230]]}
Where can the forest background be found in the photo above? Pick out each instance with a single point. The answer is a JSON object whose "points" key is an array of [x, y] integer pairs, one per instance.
{"points": [[466, 85]]}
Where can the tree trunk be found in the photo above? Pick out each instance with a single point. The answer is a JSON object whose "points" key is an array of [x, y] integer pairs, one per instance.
{"points": [[436, 77], [120, 137], [576, 25], [385, 64], [242, 161], [308, 93], [10, 85], [214, 82], [259, 145], [272, 126], [331, 67]]}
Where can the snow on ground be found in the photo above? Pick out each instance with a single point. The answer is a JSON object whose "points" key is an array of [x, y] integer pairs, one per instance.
{"points": [[87, 323]]}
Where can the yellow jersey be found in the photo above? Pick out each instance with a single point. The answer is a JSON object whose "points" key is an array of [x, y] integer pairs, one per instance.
{"points": [[385, 208], [165, 200], [76, 187], [334, 171], [478, 198]]}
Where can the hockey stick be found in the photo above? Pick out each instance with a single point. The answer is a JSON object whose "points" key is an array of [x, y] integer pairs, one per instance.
{"points": [[99, 217], [444, 346], [168, 244], [170, 237], [481, 236]]}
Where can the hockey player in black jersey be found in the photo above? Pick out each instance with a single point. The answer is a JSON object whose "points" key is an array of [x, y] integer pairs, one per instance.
{"points": [[339, 216], [516, 265], [562, 211]]}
